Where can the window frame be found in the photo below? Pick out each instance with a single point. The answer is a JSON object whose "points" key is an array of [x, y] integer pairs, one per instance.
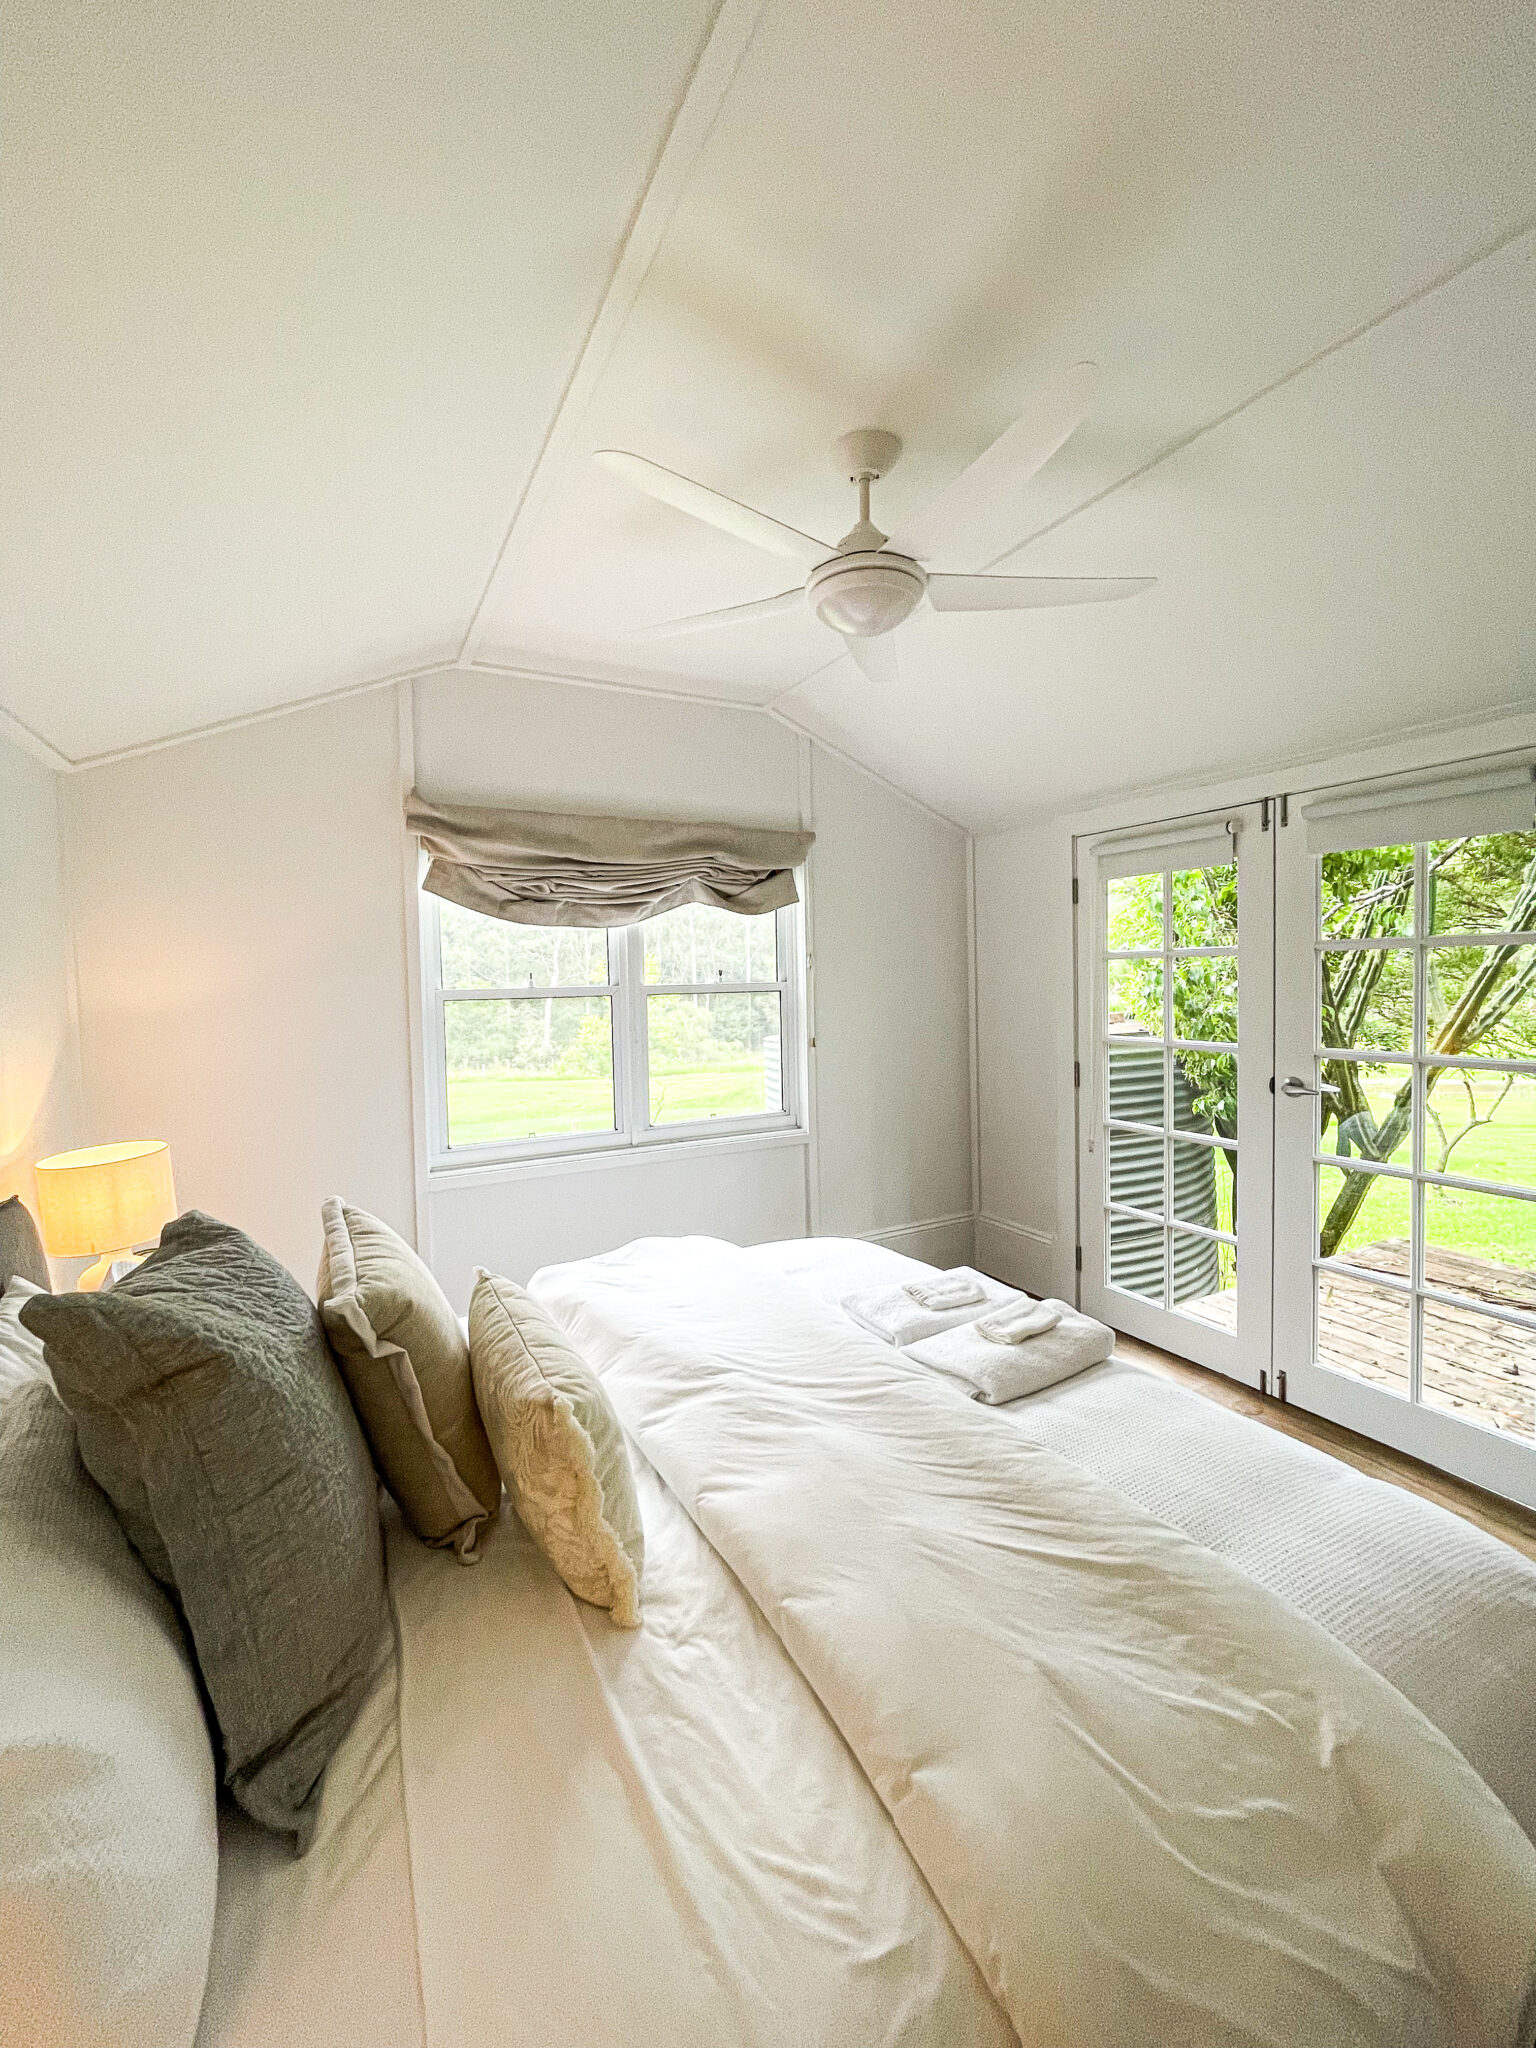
{"points": [[627, 992]]}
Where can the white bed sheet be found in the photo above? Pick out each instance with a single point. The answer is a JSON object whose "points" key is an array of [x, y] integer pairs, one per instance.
{"points": [[1444, 1611]]}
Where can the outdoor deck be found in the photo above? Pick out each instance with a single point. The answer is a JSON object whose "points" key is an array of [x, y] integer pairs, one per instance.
{"points": [[1473, 1365]]}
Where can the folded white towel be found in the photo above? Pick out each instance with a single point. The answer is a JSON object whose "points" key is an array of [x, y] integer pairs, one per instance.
{"points": [[1019, 1321], [891, 1313], [946, 1290], [1004, 1372]]}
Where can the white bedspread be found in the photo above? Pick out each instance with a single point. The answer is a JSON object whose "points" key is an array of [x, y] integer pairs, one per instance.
{"points": [[1159, 1805]]}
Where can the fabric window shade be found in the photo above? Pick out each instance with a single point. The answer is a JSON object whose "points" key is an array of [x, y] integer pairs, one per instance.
{"points": [[1500, 798], [1197, 843], [551, 868]]}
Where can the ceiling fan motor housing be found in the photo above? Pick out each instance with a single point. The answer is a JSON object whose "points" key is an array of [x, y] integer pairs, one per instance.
{"points": [[866, 593]]}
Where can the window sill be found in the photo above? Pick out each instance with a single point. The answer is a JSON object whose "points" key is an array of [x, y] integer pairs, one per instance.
{"points": [[487, 1173]]}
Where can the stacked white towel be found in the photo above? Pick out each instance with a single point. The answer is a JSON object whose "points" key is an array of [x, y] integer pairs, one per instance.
{"points": [[946, 1290], [1004, 1369], [893, 1313]]}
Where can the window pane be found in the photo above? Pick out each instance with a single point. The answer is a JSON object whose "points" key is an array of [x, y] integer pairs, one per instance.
{"points": [[484, 952], [1481, 1245], [1480, 1369], [1204, 1179], [1136, 1081], [1483, 885], [698, 943], [1136, 1171], [1135, 913], [1364, 1331], [1136, 995], [713, 1056], [1372, 1115], [1366, 895], [1205, 1280], [1365, 1218], [1205, 999], [1205, 1092], [1136, 1257], [1367, 1000], [1482, 1001], [1205, 906], [1483, 1126], [528, 1068]]}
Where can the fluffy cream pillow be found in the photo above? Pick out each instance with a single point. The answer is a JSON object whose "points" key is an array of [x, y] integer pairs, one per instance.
{"points": [[559, 1446], [406, 1365]]}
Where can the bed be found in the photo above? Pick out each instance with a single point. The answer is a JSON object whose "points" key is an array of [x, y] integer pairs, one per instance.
{"points": [[543, 1830]]}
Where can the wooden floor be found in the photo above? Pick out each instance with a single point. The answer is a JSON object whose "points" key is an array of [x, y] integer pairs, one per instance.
{"points": [[1500, 1518]]}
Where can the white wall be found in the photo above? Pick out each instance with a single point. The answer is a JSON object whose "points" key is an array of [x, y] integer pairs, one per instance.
{"points": [[39, 1059], [241, 911]]}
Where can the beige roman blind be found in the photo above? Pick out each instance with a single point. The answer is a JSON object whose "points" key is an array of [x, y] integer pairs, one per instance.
{"points": [[550, 867]]}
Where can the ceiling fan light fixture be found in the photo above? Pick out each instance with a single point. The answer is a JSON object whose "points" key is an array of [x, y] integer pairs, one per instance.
{"points": [[866, 594]]}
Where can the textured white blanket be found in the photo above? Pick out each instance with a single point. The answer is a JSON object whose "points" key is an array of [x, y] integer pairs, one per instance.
{"points": [[1159, 1805]]}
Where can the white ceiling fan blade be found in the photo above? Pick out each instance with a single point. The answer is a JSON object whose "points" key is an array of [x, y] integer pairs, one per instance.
{"points": [[732, 615], [979, 517], [702, 503], [1028, 593], [877, 657]]}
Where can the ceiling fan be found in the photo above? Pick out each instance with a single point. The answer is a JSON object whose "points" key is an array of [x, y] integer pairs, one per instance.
{"points": [[869, 583]]}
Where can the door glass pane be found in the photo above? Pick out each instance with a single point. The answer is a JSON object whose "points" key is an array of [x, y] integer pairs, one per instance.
{"points": [[1482, 1125], [1205, 906], [1205, 998], [1203, 1182], [1364, 1330], [485, 952], [1136, 1170], [1136, 996], [700, 944], [1136, 1257], [1366, 895], [1216, 1300], [1480, 1369], [1371, 1116], [1365, 1218], [1483, 1246], [713, 1056], [1205, 1092], [1135, 913], [1367, 1000], [1136, 1081], [530, 1068], [1484, 884], [1482, 1001]]}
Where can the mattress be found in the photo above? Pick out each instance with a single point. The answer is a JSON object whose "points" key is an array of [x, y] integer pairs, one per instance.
{"points": [[1444, 1611]]}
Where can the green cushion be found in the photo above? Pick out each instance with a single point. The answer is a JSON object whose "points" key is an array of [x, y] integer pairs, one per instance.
{"points": [[210, 1411]]}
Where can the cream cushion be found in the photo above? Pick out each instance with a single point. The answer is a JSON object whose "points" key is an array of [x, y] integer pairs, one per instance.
{"points": [[406, 1365], [559, 1445]]}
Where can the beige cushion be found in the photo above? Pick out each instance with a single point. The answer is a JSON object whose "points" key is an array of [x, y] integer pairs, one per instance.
{"points": [[406, 1365], [559, 1446]]}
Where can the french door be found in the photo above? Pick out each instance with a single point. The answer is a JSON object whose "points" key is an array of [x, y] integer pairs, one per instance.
{"points": [[1175, 1127], [1405, 1132], [1307, 1105]]}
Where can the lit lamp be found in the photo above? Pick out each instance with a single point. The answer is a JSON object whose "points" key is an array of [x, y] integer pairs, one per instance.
{"points": [[104, 1200]]}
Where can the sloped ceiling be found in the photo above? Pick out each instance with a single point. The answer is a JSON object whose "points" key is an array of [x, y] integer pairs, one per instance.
{"points": [[316, 323]]}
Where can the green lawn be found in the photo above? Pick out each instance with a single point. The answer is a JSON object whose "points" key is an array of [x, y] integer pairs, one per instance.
{"points": [[487, 1109]]}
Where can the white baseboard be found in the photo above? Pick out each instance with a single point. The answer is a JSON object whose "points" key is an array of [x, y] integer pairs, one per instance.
{"points": [[939, 1240], [1016, 1253]]}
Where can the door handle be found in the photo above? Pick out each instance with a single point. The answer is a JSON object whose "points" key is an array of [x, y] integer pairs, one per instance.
{"points": [[1293, 1085]]}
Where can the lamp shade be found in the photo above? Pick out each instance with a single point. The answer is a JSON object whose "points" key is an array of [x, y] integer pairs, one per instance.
{"points": [[106, 1198]]}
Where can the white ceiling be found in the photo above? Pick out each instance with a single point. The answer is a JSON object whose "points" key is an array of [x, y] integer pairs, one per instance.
{"points": [[292, 314]]}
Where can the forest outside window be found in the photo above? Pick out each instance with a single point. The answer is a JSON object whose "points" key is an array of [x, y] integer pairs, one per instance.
{"points": [[549, 1040]]}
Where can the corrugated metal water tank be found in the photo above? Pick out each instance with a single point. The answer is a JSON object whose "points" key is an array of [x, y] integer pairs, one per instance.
{"points": [[1136, 1177]]}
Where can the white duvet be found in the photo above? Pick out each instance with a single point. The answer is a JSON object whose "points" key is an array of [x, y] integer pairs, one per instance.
{"points": [[1158, 1805]]}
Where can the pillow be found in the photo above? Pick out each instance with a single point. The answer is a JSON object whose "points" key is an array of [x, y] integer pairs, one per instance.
{"points": [[209, 1409], [21, 1249], [559, 1446], [21, 1354], [406, 1364], [110, 1859]]}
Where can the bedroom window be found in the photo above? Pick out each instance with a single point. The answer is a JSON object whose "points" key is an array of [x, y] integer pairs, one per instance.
{"points": [[549, 1040]]}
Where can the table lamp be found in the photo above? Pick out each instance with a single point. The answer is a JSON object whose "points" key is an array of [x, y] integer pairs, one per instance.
{"points": [[104, 1200]]}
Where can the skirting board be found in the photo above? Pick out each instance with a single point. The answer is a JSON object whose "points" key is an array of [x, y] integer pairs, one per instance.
{"points": [[940, 1240], [1017, 1254]]}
